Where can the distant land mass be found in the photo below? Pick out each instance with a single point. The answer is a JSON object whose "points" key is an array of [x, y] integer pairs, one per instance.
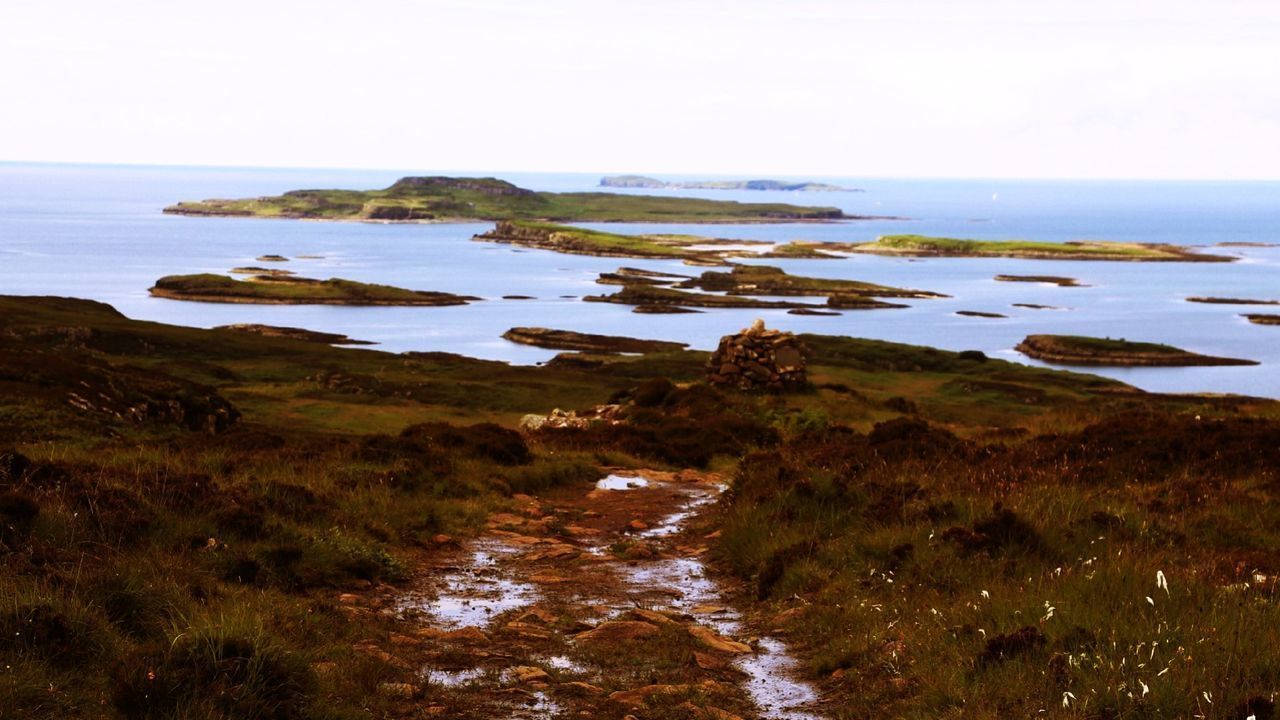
{"points": [[450, 199], [641, 181]]}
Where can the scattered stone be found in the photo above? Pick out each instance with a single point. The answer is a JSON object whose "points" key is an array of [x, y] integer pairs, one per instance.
{"points": [[707, 661], [716, 642], [577, 687], [652, 616], [638, 524], [540, 616], [618, 631], [466, 636], [526, 674]]}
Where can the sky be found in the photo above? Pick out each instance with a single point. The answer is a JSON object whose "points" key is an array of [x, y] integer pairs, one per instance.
{"points": [[1175, 89]]}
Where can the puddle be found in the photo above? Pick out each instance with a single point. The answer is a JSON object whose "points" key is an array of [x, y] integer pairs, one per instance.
{"points": [[621, 482], [562, 663], [771, 682], [473, 594], [452, 678]]}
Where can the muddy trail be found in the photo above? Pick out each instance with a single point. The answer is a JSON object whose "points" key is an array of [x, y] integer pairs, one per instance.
{"points": [[591, 605]]}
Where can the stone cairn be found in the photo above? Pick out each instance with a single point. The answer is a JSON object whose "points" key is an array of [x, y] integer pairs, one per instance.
{"points": [[758, 358]]}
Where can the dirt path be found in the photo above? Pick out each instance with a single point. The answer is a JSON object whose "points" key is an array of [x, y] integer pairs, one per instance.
{"points": [[594, 605]]}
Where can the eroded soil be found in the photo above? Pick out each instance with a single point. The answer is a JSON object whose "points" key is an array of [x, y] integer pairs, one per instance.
{"points": [[587, 605]]}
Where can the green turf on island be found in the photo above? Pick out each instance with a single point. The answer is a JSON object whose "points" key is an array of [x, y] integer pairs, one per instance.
{"points": [[441, 199], [766, 280], [925, 246], [1078, 350], [272, 290]]}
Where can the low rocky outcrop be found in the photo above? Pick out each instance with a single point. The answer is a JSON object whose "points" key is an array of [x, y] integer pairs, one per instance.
{"points": [[1263, 319], [1043, 279], [759, 358], [293, 333], [1075, 350], [587, 342]]}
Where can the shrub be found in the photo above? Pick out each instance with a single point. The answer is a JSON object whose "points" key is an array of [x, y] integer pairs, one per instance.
{"points": [[212, 669]]}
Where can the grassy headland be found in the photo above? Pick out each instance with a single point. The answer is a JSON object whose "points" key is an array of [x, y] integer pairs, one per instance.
{"points": [[925, 246], [444, 199], [291, 290]]}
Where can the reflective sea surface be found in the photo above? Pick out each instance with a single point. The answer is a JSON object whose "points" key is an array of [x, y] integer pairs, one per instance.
{"points": [[97, 232]]}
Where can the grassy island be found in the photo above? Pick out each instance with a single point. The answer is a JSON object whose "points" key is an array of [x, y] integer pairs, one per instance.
{"points": [[451, 199], [766, 280], [1263, 319], [294, 333], [1231, 301], [581, 241], [1058, 280], [291, 290], [222, 525], [642, 181], [587, 342], [925, 246], [1077, 350], [650, 296]]}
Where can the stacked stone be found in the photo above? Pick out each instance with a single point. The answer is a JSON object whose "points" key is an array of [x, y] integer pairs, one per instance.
{"points": [[758, 358]]}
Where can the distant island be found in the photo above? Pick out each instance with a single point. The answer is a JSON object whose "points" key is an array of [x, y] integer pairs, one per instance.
{"points": [[641, 181], [274, 290], [1077, 350], [926, 246], [456, 199]]}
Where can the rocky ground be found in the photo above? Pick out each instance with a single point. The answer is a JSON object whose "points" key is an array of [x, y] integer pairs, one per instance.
{"points": [[595, 605]]}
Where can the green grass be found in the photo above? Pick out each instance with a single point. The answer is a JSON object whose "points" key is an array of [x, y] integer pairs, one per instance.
{"points": [[1091, 250], [457, 199], [155, 564]]}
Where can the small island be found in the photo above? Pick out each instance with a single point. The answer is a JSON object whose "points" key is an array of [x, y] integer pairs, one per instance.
{"points": [[1263, 319], [293, 333], [458, 199], [271, 290], [980, 314], [925, 246], [1043, 279], [279, 272], [588, 342], [650, 296], [1231, 301], [1078, 350], [581, 241], [766, 280], [642, 181]]}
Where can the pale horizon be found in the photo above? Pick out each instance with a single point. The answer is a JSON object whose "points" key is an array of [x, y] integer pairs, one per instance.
{"points": [[816, 88]]}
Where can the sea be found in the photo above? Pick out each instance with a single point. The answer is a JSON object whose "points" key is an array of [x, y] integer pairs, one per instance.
{"points": [[97, 231]]}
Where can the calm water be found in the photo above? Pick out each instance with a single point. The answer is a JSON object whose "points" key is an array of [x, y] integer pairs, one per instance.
{"points": [[97, 232]]}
